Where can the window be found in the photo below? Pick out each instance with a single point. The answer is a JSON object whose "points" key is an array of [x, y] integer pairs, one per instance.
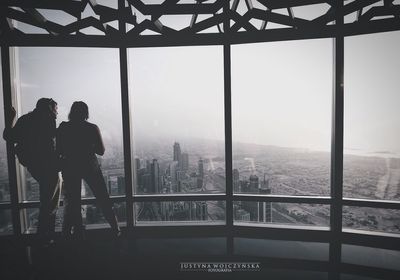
{"points": [[290, 214], [4, 183], [372, 120], [76, 74], [281, 117], [177, 116], [281, 129], [180, 212]]}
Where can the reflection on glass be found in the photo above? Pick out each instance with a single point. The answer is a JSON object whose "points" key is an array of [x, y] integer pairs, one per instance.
{"points": [[281, 117], [4, 185], [281, 213], [177, 110], [5, 222], [371, 219], [372, 120], [180, 211], [75, 74]]}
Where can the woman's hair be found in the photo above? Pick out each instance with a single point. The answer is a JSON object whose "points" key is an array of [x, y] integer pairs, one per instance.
{"points": [[79, 111]]}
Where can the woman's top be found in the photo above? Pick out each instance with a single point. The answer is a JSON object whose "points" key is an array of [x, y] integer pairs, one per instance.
{"points": [[77, 143]]}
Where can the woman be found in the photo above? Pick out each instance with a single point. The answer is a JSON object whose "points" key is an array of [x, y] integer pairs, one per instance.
{"points": [[78, 142]]}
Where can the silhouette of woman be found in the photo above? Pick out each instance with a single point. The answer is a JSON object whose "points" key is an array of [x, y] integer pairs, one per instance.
{"points": [[78, 141]]}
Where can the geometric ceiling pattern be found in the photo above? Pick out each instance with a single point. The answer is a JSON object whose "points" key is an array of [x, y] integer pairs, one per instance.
{"points": [[168, 18]]}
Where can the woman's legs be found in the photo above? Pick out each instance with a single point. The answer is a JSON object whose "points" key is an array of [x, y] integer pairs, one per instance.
{"points": [[72, 205], [95, 180]]}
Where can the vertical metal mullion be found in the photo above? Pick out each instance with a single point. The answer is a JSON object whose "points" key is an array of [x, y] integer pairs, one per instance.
{"points": [[228, 129], [337, 145], [123, 63], [12, 171]]}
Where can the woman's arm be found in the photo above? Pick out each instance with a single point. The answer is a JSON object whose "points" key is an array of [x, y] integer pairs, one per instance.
{"points": [[98, 143]]}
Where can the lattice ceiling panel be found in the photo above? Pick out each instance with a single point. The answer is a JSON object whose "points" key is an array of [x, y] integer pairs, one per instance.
{"points": [[185, 17]]}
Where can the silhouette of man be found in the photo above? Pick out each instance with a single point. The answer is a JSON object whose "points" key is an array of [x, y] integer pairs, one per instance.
{"points": [[34, 135]]}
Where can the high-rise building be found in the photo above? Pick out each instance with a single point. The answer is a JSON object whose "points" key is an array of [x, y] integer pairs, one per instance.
{"points": [[137, 163], [147, 187], [265, 208], [199, 182], [253, 187], [148, 166], [173, 168], [177, 152], [155, 177], [121, 185], [201, 211], [185, 161], [250, 206], [236, 182], [139, 179], [201, 168]]}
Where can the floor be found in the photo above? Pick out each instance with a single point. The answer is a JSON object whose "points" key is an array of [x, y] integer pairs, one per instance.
{"points": [[169, 258]]}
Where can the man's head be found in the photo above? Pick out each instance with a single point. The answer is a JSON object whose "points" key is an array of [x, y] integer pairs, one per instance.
{"points": [[47, 105]]}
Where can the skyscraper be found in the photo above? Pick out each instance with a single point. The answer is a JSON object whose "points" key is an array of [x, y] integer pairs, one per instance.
{"points": [[251, 207], [253, 187], [185, 161], [265, 208], [173, 168], [236, 183], [137, 162], [121, 185], [155, 174], [147, 187], [177, 152], [201, 168]]}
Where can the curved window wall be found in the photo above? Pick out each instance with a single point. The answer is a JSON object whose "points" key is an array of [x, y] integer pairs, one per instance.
{"points": [[281, 121]]}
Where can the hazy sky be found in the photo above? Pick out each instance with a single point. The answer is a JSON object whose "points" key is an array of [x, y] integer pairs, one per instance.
{"points": [[177, 92], [372, 92], [73, 74], [281, 92]]}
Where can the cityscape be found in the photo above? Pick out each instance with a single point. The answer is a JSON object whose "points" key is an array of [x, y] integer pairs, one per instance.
{"points": [[198, 167]]}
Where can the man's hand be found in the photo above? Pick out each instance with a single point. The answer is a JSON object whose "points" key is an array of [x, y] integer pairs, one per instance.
{"points": [[10, 116]]}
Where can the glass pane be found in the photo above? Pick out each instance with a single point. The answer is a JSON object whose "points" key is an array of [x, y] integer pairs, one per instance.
{"points": [[4, 185], [180, 212], [281, 117], [372, 118], [30, 219], [76, 74], [177, 109], [92, 217], [371, 219], [5, 222], [281, 213]]}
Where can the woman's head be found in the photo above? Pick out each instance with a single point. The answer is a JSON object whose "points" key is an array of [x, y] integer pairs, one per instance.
{"points": [[79, 111]]}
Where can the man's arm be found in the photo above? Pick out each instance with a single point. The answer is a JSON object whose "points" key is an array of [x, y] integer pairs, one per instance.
{"points": [[9, 131]]}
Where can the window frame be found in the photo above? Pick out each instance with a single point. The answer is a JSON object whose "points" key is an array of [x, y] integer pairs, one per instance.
{"points": [[335, 201]]}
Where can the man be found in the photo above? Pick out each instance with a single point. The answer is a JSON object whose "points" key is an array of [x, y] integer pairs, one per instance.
{"points": [[34, 136]]}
